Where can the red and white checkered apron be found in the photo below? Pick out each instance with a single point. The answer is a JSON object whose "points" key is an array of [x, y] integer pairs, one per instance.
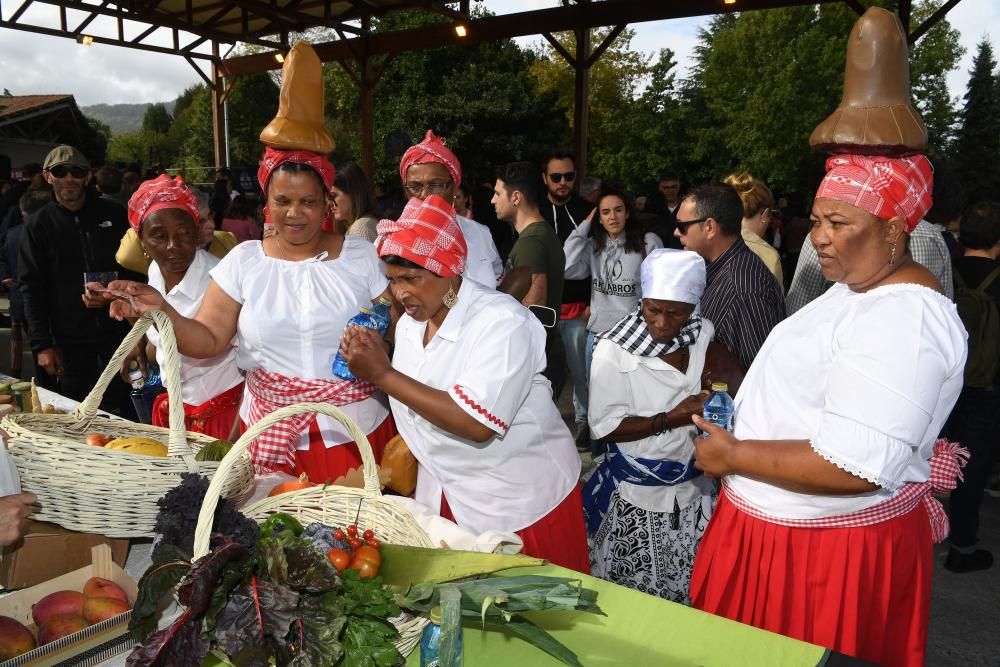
{"points": [[946, 469], [274, 449]]}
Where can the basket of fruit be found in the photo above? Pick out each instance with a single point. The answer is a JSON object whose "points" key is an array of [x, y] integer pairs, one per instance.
{"points": [[96, 474], [362, 514]]}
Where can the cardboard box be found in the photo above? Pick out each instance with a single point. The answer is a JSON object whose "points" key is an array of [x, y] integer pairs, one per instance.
{"points": [[89, 646], [48, 551]]}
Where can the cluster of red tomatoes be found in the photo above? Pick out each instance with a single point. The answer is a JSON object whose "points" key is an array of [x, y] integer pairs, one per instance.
{"points": [[363, 556]]}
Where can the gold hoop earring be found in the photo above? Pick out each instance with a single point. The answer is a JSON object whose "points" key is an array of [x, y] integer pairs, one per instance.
{"points": [[450, 297], [892, 254]]}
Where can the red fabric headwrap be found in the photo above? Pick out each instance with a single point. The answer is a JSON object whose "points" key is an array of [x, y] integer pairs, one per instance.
{"points": [[428, 234], [275, 157], [885, 187], [431, 149], [159, 193]]}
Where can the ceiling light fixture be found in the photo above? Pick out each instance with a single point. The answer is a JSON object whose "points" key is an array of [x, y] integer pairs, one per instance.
{"points": [[279, 56], [461, 30], [86, 40]]}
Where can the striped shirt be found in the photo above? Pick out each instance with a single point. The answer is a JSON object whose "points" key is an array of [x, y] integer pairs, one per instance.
{"points": [[926, 245], [742, 299]]}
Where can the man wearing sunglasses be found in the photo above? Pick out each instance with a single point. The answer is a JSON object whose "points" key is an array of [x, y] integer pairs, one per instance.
{"points": [[564, 210], [70, 332], [742, 298]]}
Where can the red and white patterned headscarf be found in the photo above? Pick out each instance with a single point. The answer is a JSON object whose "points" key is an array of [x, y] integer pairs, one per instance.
{"points": [[431, 149], [275, 157], [427, 233], [160, 193], [885, 187]]}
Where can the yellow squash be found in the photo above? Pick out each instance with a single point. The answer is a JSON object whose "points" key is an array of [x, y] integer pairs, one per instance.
{"points": [[143, 446]]}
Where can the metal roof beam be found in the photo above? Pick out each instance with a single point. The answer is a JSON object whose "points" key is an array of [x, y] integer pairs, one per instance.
{"points": [[53, 32], [519, 24]]}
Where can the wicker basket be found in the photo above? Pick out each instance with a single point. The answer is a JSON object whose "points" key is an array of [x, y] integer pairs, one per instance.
{"points": [[110, 492], [330, 505]]}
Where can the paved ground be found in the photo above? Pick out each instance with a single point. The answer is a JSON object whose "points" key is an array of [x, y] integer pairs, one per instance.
{"points": [[965, 608]]}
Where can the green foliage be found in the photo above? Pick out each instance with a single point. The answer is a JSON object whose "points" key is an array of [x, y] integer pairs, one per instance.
{"points": [[978, 144], [475, 96], [156, 119]]}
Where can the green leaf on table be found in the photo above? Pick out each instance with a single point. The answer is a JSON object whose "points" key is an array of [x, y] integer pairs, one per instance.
{"points": [[255, 612], [369, 642], [534, 635], [316, 641], [159, 580], [196, 591], [180, 644], [235, 573]]}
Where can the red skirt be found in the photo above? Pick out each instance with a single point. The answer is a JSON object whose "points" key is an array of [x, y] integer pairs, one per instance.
{"points": [[862, 591], [559, 537], [215, 417], [325, 464]]}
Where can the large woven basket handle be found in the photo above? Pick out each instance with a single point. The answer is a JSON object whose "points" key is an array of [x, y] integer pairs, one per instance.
{"points": [[177, 439], [368, 465]]}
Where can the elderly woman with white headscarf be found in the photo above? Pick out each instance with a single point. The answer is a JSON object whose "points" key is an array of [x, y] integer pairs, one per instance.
{"points": [[647, 505]]}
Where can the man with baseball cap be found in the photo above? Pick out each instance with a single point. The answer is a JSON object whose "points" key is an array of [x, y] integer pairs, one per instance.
{"points": [[72, 235]]}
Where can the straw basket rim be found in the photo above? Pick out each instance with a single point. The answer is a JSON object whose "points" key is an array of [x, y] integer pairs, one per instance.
{"points": [[110, 492], [319, 502]]}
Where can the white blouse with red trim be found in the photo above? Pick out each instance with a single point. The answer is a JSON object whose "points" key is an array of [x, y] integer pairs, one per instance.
{"points": [[488, 355]]}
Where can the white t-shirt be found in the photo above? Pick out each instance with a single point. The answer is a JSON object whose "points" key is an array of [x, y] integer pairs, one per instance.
{"points": [[488, 355], [293, 314], [868, 378], [482, 263], [201, 379], [627, 385]]}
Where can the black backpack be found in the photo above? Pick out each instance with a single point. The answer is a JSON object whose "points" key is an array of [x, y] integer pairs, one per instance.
{"points": [[979, 314]]}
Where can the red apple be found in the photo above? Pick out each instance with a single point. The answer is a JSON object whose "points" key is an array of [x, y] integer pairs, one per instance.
{"points": [[103, 588]]}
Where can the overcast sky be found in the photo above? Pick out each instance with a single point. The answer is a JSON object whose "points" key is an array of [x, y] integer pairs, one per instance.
{"points": [[37, 64]]}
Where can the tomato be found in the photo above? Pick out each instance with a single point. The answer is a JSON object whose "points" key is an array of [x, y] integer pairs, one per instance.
{"points": [[373, 543], [367, 570], [352, 530], [355, 542], [368, 534], [366, 553], [97, 439], [338, 535], [340, 558]]}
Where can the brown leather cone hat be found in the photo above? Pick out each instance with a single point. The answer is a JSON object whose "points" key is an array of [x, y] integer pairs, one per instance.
{"points": [[299, 124], [875, 116]]}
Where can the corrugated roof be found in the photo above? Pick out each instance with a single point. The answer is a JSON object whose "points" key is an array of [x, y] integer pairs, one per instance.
{"points": [[18, 104]]}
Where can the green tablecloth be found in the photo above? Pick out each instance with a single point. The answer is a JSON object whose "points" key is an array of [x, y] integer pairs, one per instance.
{"points": [[639, 631]]}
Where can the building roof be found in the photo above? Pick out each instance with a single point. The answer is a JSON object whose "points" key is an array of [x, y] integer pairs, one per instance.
{"points": [[17, 106]]}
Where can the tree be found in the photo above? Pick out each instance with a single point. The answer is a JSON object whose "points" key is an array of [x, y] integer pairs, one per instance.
{"points": [[765, 79], [156, 119], [476, 96], [615, 80], [978, 144], [934, 54]]}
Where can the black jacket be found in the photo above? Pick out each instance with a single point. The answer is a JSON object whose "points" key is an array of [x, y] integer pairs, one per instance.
{"points": [[57, 247], [565, 218]]}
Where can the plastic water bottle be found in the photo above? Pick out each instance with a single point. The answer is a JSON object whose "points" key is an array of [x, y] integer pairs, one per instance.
{"points": [[719, 407], [383, 317], [135, 375], [430, 642], [144, 395], [364, 319]]}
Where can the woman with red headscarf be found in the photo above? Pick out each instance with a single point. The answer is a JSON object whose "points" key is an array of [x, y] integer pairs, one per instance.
{"points": [[288, 298], [468, 394], [824, 527], [164, 214]]}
